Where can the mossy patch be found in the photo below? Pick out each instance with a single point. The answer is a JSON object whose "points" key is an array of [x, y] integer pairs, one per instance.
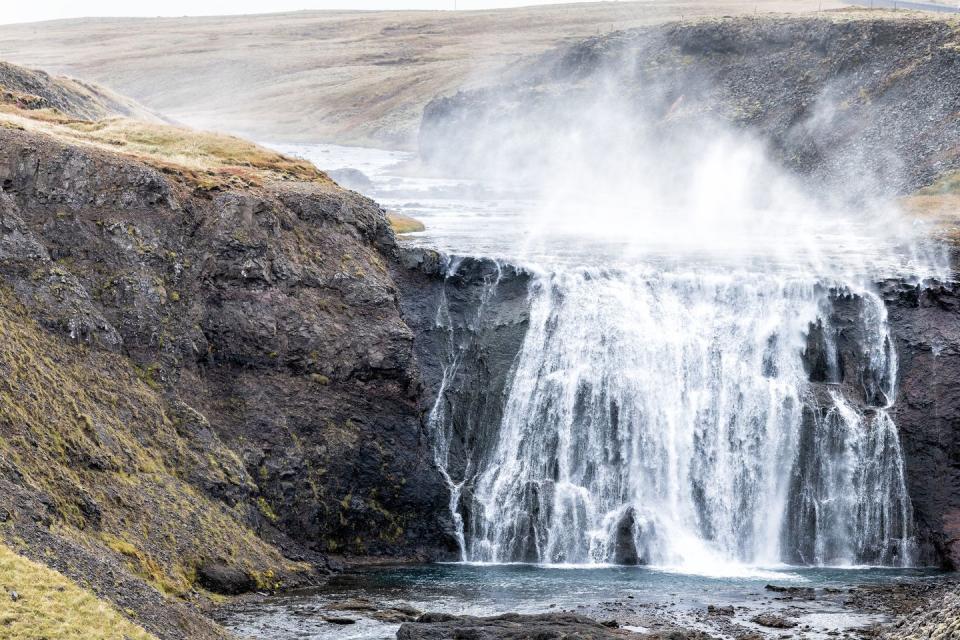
{"points": [[86, 429], [404, 224]]}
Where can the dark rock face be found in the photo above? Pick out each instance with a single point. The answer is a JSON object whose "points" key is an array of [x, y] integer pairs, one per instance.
{"points": [[926, 325], [268, 318], [512, 626], [469, 318]]}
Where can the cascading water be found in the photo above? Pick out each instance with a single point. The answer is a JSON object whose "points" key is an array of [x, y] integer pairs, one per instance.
{"points": [[671, 418], [686, 393]]}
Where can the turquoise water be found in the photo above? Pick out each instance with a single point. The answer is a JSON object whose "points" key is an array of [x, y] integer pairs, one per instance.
{"points": [[640, 598]]}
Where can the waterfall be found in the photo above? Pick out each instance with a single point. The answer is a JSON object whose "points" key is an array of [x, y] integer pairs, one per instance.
{"points": [[677, 418]]}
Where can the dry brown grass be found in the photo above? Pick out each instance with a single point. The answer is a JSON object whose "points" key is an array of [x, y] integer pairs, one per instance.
{"points": [[208, 160], [938, 205], [404, 224], [48, 605]]}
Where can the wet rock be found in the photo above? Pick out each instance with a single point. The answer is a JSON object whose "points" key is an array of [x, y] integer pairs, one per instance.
{"points": [[342, 620], [224, 579], [625, 548], [806, 593], [773, 621], [511, 626], [716, 610], [488, 345]]}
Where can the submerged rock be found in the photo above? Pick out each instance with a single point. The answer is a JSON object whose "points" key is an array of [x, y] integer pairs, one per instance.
{"points": [[513, 626], [353, 604], [806, 593]]}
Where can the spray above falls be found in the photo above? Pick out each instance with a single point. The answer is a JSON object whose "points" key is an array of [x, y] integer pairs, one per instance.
{"points": [[707, 377]]}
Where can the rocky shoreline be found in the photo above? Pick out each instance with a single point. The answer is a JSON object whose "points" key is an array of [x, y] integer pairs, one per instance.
{"points": [[896, 611]]}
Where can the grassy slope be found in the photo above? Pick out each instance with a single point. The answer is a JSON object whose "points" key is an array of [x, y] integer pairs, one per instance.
{"points": [[117, 462], [97, 437], [80, 425], [47, 605]]}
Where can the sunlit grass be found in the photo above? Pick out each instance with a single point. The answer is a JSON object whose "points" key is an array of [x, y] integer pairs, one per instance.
{"points": [[48, 605], [404, 224], [210, 160]]}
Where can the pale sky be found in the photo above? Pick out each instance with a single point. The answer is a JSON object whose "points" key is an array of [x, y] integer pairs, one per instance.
{"points": [[31, 11]]}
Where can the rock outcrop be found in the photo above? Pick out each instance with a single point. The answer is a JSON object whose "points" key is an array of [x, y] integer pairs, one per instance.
{"points": [[208, 384]]}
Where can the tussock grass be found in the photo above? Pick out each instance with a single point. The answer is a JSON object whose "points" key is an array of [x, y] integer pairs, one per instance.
{"points": [[207, 160], [404, 224], [48, 605], [938, 205]]}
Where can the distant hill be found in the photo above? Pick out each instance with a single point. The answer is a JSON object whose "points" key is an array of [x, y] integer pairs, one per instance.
{"points": [[33, 90], [336, 76]]}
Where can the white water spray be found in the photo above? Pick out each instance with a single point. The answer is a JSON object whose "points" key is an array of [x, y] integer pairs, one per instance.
{"points": [[683, 396], [660, 418]]}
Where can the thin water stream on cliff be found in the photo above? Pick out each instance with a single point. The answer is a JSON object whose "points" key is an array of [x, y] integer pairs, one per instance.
{"points": [[668, 407]]}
